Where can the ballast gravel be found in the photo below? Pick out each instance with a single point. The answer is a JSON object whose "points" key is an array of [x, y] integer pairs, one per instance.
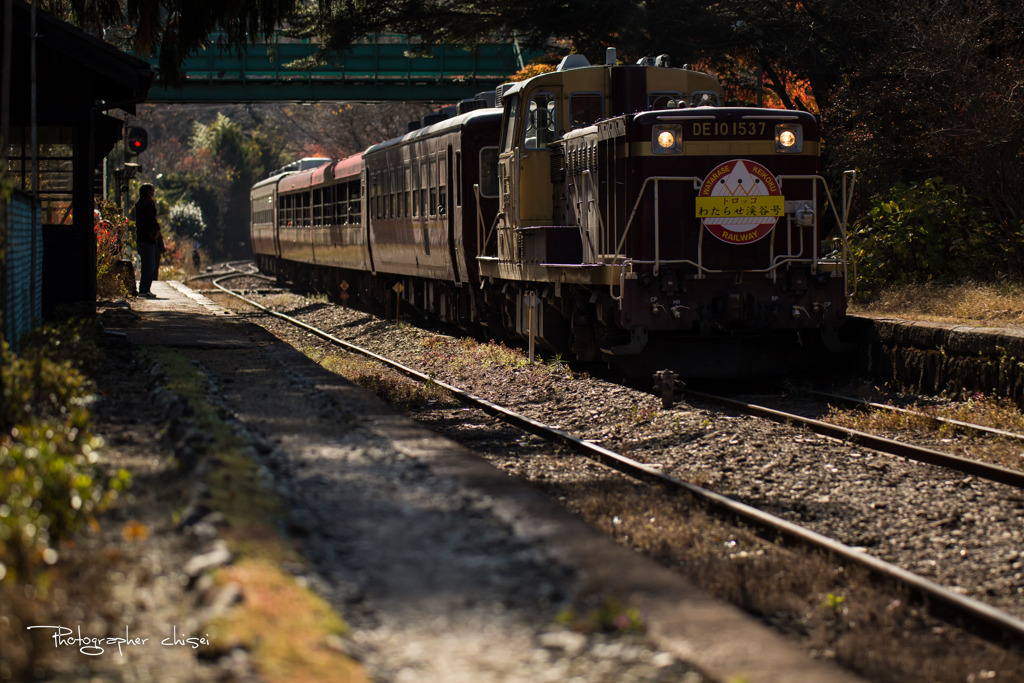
{"points": [[433, 580], [954, 529], [434, 584]]}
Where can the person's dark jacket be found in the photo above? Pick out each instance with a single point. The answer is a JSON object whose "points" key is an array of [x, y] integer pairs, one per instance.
{"points": [[147, 230]]}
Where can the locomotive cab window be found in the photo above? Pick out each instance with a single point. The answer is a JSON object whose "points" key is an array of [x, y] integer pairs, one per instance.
{"points": [[508, 133], [585, 108], [541, 121], [660, 98]]}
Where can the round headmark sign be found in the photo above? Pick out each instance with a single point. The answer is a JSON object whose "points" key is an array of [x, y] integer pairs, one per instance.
{"points": [[740, 201]]}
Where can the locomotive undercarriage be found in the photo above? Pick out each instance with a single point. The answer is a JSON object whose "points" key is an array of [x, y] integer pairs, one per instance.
{"points": [[740, 327], [743, 327]]}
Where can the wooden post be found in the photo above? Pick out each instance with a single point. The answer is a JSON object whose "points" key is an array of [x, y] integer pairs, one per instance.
{"points": [[398, 289], [531, 303]]}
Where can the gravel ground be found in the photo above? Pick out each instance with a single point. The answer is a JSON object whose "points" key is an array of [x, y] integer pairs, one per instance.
{"points": [[432, 578], [959, 531]]}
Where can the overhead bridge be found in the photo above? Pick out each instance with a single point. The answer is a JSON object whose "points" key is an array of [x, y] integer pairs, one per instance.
{"points": [[384, 67]]}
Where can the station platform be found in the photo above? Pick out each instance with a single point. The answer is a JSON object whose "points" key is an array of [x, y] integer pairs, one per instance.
{"points": [[444, 566]]}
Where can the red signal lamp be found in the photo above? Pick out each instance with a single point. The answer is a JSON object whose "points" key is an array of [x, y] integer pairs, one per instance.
{"points": [[136, 140]]}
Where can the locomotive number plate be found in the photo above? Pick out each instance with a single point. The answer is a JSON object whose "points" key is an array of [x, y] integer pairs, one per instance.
{"points": [[731, 129], [740, 201]]}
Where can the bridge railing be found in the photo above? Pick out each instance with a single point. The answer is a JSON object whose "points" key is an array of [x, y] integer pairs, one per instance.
{"points": [[381, 60]]}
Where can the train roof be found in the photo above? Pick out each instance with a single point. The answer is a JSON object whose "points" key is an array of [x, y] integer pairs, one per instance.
{"points": [[332, 170], [440, 127], [295, 181], [349, 166], [576, 63], [272, 180]]}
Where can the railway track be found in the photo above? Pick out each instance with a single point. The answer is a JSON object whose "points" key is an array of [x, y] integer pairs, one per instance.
{"points": [[993, 623], [881, 444], [968, 427]]}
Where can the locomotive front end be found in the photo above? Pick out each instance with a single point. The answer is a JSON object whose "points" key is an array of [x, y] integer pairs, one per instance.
{"points": [[643, 224], [726, 229]]}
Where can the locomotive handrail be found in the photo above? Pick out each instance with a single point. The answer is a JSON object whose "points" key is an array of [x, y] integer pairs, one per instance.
{"points": [[850, 174], [778, 261], [688, 262], [849, 181], [636, 206], [481, 244], [479, 220], [585, 237]]}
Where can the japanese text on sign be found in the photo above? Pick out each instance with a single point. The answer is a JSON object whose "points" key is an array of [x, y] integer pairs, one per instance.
{"points": [[753, 206]]}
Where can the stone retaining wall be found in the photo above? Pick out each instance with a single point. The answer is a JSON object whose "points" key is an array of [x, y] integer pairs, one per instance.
{"points": [[940, 358]]}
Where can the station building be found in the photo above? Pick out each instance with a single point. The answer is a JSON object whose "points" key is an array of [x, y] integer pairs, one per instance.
{"points": [[61, 96]]}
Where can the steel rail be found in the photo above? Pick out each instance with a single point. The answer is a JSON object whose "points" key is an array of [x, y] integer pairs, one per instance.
{"points": [[996, 473], [991, 622], [970, 426]]}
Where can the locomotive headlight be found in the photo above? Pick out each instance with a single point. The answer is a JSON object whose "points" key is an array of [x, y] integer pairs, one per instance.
{"points": [[667, 139], [789, 138]]}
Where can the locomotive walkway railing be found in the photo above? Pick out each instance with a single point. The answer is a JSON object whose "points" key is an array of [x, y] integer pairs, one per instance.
{"points": [[383, 67], [841, 214]]}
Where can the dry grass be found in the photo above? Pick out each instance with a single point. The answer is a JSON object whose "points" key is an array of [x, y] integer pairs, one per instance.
{"points": [[986, 411], [971, 304], [302, 645], [924, 427]]}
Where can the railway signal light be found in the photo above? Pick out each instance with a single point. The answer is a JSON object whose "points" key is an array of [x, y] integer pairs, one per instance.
{"points": [[136, 140]]}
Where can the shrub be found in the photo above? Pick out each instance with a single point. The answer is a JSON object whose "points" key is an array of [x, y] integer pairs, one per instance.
{"points": [[923, 232], [50, 483], [113, 232], [186, 219]]}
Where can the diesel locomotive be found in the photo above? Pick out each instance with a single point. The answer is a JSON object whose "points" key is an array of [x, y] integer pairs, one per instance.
{"points": [[605, 212]]}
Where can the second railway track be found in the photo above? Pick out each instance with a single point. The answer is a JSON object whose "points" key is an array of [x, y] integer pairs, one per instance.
{"points": [[637, 425]]}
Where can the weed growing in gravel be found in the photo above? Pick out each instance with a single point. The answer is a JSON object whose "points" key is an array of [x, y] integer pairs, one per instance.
{"points": [[392, 386], [987, 411], [460, 356], [609, 616], [877, 420], [642, 414], [834, 603]]}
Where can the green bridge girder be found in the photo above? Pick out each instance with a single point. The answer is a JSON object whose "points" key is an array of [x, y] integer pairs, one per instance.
{"points": [[382, 68]]}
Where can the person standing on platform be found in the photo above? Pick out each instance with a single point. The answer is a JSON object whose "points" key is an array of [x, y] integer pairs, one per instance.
{"points": [[147, 237]]}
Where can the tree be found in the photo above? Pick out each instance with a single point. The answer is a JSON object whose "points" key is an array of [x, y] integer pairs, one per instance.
{"points": [[173, 28], [340, 129], [943, 97], [232, 161]]}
